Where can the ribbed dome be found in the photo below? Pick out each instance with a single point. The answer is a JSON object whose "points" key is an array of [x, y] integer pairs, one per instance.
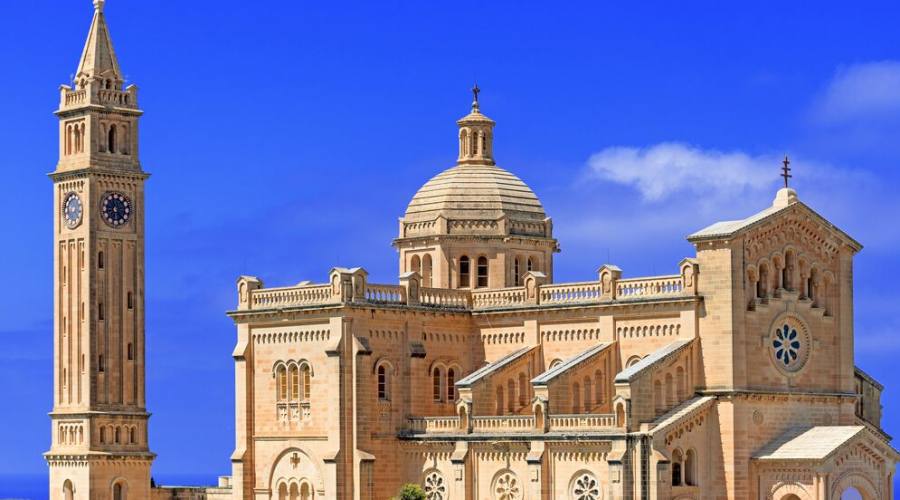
{"points": [[467, 192]]}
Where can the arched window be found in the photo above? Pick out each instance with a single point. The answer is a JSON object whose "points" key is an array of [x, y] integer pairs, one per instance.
{"points": [[101, 366], [103, 435], [464, 271], [676, 468], [68, 490], [482, 272], [382, 382], [788, 271], [305, 491], [426, 270], [436, 388], [517, 276], [658, 401], [529, 265], [416, 264], [132, 436], [576, 398], [588, 393], [118, 491], [306, 381], [500, 407], [620, 415], [632, 361], [294, 381], [69, 134], [118, 440], [451, 385], [100, 262], [523, 390], [763, 283], [77, 138], [282, 492], [555, 363], [511, 391], [670, 391], [295, 491], [690, 465], [130, 300], [281, 383], [680, 384], [111, 139], [463, 139], [598, 387]]}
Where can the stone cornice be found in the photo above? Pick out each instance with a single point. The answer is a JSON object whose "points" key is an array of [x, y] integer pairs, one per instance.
{"points": [[64, 175]]}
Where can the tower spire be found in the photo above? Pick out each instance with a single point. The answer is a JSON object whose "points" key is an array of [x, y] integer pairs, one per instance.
{"points": [[98, 59]]}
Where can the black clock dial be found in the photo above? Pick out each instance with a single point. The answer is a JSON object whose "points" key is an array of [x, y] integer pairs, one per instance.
{"points": [[72, 210], [116, 209]]}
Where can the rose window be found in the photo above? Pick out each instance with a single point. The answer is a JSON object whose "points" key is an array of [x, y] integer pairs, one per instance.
{"points": [[789, 345], [586, 487], [435, 489], [506, 487]]}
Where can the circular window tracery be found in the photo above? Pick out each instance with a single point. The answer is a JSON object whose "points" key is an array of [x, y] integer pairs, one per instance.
{"points": [[585, 487], [506, 487], [435, 488], [789, 344]]}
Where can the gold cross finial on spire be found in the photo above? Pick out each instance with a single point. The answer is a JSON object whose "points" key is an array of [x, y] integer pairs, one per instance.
{"points": [[98, 5], [786, 170], [475, 91]]}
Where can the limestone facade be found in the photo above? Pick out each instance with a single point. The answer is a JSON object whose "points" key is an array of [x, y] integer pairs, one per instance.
{"points": [[476, 375]]}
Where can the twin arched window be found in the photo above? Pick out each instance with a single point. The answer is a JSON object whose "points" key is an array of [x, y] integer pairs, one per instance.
{"points": [[684, 468], [293, 382], [443, 389], [465, 272]]}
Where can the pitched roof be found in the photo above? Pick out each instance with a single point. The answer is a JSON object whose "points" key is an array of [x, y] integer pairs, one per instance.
{"points": [[98, 57], [685, 409], [628, 374], [813, 443], [490, 368], [785, 200], [547, 376]]}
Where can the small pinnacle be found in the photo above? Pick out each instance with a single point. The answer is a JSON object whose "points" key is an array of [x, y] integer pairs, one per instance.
{"points": [[475, 91], [98, 5]]}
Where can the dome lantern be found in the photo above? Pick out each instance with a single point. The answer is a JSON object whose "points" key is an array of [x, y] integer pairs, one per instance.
{"points": [[476, 135]]}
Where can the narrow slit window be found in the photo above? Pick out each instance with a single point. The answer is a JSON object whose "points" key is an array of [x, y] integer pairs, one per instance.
{"points": [[482, 272], [464, 272]]}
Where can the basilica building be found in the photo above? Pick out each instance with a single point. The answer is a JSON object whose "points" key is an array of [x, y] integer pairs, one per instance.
{"points": [[475, 375]]}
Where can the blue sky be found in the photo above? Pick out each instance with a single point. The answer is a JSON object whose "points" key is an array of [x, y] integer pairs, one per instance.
{"points": [[286, 137]]}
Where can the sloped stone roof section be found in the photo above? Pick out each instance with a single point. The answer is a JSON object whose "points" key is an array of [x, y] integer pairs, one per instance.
{"points": [[547, 376], [488, 369], [630, 373]]}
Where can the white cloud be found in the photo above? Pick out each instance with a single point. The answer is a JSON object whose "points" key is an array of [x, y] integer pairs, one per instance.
{"points": [[861, 91], [664, 169]]}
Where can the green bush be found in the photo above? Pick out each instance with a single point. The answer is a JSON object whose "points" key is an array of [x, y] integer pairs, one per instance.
{"points": [[411, 492]]}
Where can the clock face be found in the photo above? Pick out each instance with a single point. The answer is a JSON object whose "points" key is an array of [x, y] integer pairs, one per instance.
{"points": [[72, 210], [116, 209]]}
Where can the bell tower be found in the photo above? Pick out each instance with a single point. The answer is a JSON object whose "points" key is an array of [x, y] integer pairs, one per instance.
{"points": [[99, 420]]}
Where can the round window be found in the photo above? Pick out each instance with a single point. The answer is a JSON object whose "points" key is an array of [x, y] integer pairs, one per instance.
{"points": [[789, 344]]}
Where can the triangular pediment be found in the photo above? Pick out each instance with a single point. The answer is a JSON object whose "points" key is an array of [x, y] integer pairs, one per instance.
{"points": [[791, 222]]}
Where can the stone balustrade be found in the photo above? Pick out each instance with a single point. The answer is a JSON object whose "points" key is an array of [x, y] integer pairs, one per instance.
{"points": [[649, 287], [581, 422], [447, 298], [433, 425], [292, 296], [115, 98], [75, 97], [350, 285], [504, 297], [385, 294], [505, 423], [571, 293]]}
